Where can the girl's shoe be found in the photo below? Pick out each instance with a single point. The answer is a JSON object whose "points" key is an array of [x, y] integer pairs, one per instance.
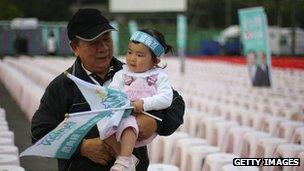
{"points": [[124, 163]]}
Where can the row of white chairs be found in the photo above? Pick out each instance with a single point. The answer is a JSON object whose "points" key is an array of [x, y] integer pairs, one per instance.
{"points": [[38, 75], [61, 65], [196, 123], [193, 154], [213, 87], [216, 71], [275, 105], [9, 153], [26, 92], [237, 100]]}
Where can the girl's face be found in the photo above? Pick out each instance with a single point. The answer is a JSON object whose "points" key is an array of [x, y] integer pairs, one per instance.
{"points": [[139, 58]]}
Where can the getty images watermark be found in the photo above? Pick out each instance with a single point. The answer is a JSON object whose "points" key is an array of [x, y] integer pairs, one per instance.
{"points": [[266, 161]]}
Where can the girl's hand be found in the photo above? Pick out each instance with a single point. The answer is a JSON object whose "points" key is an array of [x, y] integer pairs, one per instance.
{"points": [[138, 106]]}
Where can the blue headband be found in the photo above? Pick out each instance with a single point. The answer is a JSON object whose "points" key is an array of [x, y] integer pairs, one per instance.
{"points": [[149, 41]]}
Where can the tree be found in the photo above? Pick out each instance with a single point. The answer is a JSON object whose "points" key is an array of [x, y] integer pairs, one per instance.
{"points": [[44, 10], [9, 11]]}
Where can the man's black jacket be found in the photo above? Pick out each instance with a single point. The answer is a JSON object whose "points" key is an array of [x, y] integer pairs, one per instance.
{"points": [[62, 96], [261, 77]]}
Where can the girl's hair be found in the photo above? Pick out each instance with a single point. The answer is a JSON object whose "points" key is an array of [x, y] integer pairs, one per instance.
{"points": [[160, 38]]}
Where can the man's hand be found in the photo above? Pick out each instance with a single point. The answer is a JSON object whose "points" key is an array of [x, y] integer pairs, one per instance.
{"points": [[146, 125], [96, 150]]}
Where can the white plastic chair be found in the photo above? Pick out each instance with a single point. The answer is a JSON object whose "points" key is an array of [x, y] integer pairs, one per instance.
{"points": [[181, 149], [287, 151], [6, 141], [270, 124], [162, 167], [196, 156], [234, 138], [205, 127], [301, 167], [249, 143], [7, 134], [11, 168], [194, 122], [298, 136], [9, 149], [7, 159], [215, 162], [267, 146], [255, 120], [231, 167], [287, 128], [161, 147], [220, 130]]}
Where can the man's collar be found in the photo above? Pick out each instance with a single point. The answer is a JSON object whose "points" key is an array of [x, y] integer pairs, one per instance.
{"points": [[87, 71], [77, 70], [110, 70]]}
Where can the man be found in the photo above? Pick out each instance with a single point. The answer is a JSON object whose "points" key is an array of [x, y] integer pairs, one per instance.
{"points": [[90, 39], [261, 78], [20, 45], [251, 63], [51, 44]]}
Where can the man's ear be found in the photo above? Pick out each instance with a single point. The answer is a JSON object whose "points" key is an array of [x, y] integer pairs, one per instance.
{"points": [[74, 48]]}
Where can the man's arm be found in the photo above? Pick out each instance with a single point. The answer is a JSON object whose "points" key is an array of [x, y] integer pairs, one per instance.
{"points": [[96, 150], [172, 117], [49, 114]]}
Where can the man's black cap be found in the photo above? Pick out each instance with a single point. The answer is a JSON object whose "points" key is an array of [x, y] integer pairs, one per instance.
{"points": [[87, 25]]}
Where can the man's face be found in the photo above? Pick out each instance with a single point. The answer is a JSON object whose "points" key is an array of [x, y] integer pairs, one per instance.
{"points": [[251, 58], [95, 55], [263, 58]]}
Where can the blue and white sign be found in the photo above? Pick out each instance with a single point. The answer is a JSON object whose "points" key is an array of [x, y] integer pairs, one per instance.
{"points": [[108, 107], [255, 40]]}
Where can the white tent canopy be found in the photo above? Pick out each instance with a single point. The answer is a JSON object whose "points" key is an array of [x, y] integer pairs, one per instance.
{"points": [[24, 23], [229, 32], [280, 39]]}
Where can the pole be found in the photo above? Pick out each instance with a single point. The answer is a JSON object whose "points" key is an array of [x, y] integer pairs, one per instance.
{"points": [[181, 39], [293, 25]]}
